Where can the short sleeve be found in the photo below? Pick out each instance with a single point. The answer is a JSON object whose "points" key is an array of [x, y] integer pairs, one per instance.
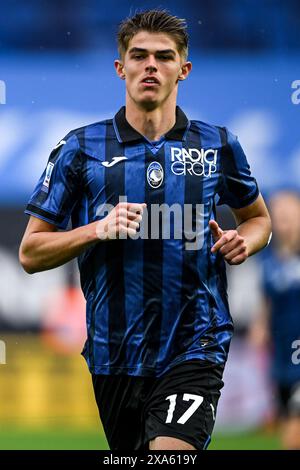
{"points": [[237, 187], [57, 190]]}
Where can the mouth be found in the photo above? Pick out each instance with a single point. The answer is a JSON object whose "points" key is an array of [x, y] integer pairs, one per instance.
{"points": [[150, 82]]}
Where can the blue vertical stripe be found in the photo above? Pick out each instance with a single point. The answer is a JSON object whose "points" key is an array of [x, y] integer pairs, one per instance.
{"points": [[206, 443], [133, 258]]}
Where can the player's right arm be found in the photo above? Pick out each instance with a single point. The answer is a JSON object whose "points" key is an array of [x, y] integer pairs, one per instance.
{"points": [[44, 247]]}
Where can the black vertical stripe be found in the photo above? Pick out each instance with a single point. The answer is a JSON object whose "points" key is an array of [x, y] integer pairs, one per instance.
{"points": [[193, 194], [153, 269], [74, 181], [115, 187]]}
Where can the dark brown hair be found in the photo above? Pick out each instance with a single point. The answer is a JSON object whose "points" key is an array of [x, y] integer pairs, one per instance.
{"points": [[153, 21]]}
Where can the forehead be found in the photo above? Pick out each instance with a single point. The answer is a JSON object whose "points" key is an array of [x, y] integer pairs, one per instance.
{"points": [[152, 41]]}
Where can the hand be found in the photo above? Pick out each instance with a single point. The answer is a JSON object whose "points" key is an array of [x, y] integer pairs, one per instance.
{"points": [[230, 244], [122, 221]]}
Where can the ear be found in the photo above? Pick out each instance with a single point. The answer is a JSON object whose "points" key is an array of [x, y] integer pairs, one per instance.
{"points": [[185, 70], [120, 69]]}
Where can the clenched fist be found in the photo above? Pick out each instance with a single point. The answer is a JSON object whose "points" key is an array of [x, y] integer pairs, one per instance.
{"points": [[122, 222]]}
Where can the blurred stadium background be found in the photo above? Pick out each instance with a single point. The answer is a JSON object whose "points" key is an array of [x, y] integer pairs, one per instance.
{"points": [[56, 60]]}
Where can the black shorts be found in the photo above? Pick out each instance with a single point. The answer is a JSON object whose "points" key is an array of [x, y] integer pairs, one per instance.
{"points": [[181, 404]]}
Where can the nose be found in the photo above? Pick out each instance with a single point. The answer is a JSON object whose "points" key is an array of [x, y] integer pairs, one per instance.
{"points": [[151, 64]]}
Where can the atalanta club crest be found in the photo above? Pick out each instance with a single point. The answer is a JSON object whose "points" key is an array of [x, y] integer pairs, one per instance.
{"points": [[155, 175]]}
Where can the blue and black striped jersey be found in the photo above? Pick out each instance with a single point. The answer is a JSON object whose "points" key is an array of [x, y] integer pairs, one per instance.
{"points": [[158, 301]]}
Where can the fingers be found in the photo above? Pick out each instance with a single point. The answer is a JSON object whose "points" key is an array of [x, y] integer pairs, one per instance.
{"points": [[136, 207], [225, 238], [239, 253], [125, 213], [131, 206], [215, 229], [123, 232], [123, 221], [238, 259], [132, 211], [236, 246], [134, 216], [232, 246]]}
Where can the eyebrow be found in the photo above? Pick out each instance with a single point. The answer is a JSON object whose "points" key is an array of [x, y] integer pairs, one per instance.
{"points": [[134, 50]]}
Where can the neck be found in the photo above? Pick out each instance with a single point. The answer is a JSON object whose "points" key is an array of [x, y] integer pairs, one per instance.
{"points": [[152, 124]]}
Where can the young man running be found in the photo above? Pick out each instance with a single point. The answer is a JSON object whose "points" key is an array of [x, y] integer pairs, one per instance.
{"points": [[158, 321]]}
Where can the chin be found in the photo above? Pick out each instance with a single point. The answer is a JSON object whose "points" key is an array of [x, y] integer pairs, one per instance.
{"points": [[148, 104]]}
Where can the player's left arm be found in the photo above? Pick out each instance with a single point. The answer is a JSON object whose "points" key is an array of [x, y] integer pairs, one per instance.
{"points": [[252, 233]]}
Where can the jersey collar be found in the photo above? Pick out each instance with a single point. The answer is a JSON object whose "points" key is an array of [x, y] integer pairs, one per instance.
{"points": [[126, 133]]}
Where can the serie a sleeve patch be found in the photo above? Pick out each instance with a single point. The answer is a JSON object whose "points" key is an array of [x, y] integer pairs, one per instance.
{"points": [[47, 178]]}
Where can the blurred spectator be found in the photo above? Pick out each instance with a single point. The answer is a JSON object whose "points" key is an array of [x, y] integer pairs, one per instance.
{"points": [[278, 323]]}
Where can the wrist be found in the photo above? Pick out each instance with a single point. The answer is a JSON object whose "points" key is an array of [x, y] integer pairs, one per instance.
{"points": [[99, 231], [95, 232]]}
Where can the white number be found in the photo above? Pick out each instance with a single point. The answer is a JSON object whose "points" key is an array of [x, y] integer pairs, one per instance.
{"points": [[191, 410], [171, 409], [188, 413]]}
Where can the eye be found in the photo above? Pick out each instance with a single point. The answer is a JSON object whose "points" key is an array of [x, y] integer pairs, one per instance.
{"points": [[165, 57]]}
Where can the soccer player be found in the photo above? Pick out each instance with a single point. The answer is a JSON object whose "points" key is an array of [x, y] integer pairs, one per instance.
{"points": [[278, 325], [158, 323]]}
